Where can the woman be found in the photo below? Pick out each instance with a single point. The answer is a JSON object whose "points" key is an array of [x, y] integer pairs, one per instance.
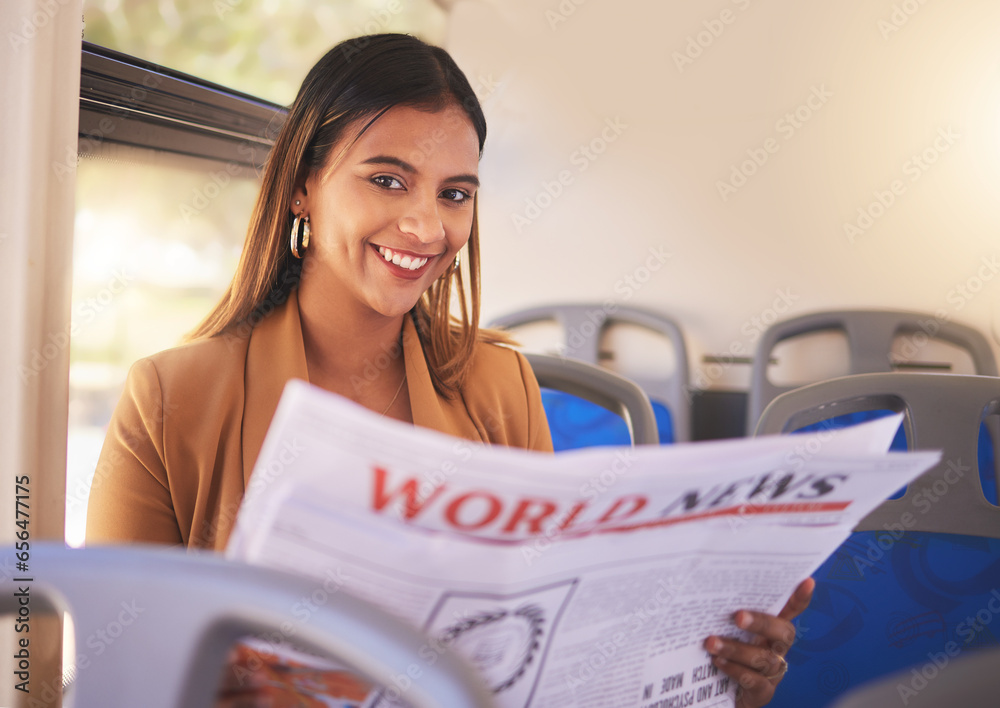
{"points": [[346, 280]]}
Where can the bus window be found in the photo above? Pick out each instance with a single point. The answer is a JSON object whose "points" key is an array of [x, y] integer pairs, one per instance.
{"points": [[157, 240]]}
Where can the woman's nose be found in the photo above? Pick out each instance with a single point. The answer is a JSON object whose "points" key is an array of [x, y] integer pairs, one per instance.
{"points": [[423, 220]]}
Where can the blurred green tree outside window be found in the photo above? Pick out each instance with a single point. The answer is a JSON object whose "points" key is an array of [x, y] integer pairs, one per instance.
{"points": [[260, 47]]}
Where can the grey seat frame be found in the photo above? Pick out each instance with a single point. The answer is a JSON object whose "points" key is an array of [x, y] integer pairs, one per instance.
{"points": [[870, 334], [968, 679], [582, 326], [184, 609], [941, 412], [605, 388]]}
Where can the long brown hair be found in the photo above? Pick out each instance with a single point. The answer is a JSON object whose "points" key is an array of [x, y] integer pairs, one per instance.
{"points": [[358, 79]]}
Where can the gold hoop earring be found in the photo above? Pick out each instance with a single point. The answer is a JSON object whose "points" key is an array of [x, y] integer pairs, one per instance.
{"points": [[300, 235], [455, 265]]}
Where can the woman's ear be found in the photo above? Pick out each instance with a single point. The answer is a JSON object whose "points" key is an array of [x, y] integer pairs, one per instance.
{"points": [[300, 193], [299, 203]]}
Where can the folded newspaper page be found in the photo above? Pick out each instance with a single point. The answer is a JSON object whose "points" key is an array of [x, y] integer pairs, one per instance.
{"points": [[588, 578]]}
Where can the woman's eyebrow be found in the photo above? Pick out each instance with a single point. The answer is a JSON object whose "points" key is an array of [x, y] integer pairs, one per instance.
{"points": [[407, 167], [388, 160]]}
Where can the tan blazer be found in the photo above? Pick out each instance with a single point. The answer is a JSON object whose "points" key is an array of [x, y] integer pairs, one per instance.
{"points": [[184, 437]]}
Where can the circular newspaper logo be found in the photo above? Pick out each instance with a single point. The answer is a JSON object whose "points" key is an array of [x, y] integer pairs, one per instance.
{"points": [[500, 644]]}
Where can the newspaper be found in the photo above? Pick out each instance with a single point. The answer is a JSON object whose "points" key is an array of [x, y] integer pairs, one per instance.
{"points": [[588, 578]]}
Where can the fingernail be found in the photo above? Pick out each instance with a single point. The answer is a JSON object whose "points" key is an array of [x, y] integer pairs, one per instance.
{"points": [[714, 645], [743, 620]]}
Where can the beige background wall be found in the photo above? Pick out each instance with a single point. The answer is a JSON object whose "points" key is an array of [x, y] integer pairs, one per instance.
{"points": [[848, 102]]}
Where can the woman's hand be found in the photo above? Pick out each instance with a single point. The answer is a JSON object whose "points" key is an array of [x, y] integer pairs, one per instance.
{"points": [[258, 678], [758, 666]]}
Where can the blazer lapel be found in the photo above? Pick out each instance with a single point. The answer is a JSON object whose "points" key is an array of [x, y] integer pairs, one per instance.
{"points": [[430, 410], [275, 355]]}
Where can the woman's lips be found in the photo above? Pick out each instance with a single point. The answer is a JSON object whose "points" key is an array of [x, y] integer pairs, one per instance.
{"points": [[403, 259], [404, 264]]}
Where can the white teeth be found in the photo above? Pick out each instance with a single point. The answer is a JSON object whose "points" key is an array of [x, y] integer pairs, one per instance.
{"points": [[402, 261]]}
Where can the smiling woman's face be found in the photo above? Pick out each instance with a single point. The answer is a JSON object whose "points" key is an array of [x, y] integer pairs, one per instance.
{"points": [[390, 214]]}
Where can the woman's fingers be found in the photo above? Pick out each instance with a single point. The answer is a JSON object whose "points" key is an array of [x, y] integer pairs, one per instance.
{"points": [[774, 634], [799, 600], [756, 669], [777, 632], [759, 665], [755, 689], [760, 659]]}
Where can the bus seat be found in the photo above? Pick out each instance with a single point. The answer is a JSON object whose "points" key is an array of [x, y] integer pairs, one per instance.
{"points": [[914, 578], [953, 679], [183, 610], [870, 335], [941, 412], [582, 327], [576, 423]]}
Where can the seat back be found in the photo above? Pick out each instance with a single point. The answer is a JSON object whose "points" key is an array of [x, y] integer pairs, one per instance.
{"points": [[956, 679], [905, 584], [582, 326], [605, 388], [870, 335], [942, 412], [165, 620]]}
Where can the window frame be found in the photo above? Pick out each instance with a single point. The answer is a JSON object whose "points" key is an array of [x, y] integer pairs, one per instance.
{"points": [[127, 100]]}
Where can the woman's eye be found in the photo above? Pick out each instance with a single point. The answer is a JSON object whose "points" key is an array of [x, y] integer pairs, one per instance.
{"points": [[387, 182], [455, 195]]}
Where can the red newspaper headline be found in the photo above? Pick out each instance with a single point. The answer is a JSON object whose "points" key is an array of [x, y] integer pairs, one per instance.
{"points": [[494, 516]]}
